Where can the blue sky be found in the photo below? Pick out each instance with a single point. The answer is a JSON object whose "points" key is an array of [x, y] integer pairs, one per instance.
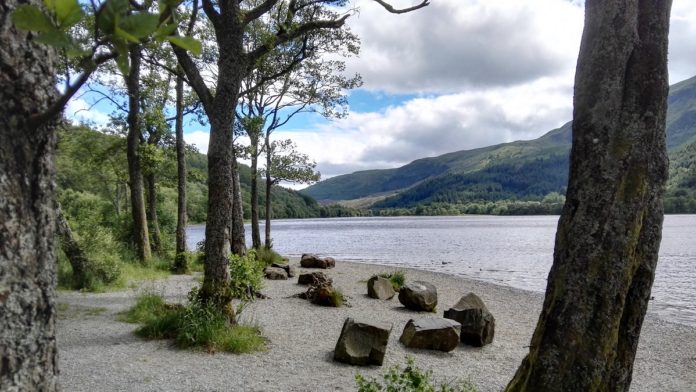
{"points": [[455, 75]]}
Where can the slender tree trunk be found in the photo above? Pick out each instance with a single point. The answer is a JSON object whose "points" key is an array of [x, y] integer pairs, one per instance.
{"points": [[28, 355], [180, 262], [610, 228], [269, 185], [140, 232], [73, 251], [238, 239], [151, 181], [255, 231]]}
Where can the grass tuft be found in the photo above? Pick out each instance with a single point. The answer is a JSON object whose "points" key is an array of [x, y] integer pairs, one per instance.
{"points": [[397, 279], [410, 378]]}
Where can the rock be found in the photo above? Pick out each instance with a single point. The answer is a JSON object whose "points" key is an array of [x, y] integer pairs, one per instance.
{"points": [[478, 324], [380, 288], [290, 269], [313, 278], [274, 273], [418, 295], [432, 334], [324, 294], [313, 261], [362, 343]]}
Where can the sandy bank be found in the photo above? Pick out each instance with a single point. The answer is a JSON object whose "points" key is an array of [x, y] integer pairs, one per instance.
{"points": [[98, 353]]}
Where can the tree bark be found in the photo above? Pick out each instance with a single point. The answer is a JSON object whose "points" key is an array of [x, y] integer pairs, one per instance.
{"points": [[140, 231], [28, 354], [610, 228], [180, 261], [73, 251], [269, 184], [255, 232], [154, 228], [238, 239]]}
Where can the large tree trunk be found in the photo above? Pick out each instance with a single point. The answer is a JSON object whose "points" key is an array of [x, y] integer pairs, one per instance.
{"points": [[73, 251], [255, 232], [269, 184], [610, 228], [180, 261], [151, 180], [29, 360], [140, 232], [238, 239]]}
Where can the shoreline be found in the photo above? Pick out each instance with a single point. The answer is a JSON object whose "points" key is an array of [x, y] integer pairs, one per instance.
{"points": [[99, 353]]}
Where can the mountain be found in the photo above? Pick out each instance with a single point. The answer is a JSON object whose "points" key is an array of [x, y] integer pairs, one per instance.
{"points": [[522, 170]]}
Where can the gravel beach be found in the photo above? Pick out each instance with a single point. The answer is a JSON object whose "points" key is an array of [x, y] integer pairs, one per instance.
{"points": [[99, 353]]}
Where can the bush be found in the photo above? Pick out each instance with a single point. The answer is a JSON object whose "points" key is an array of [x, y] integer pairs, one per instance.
{"points": [[409, 379], [193, 325], [268, 256], [246, 275]]}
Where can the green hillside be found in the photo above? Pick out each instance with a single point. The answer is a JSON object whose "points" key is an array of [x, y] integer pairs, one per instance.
{"points": [[521, 171]]}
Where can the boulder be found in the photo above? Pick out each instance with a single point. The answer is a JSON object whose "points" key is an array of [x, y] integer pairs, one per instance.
{"points": [[380, 288], [274, 273], [323, 294], [289, 269], [362, 342], [418, 295], [432, 334], [478, 324], [313, 278], [313, 261]]}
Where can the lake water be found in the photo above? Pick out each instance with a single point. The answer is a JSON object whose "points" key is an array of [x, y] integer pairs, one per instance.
{"points": [[513, 251]]}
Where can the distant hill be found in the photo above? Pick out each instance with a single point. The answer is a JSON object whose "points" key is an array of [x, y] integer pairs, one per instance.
{"points": [[521, 170]]}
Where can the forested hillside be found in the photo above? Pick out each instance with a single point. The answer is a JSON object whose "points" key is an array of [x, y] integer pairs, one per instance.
{"points": [[510, 178]]}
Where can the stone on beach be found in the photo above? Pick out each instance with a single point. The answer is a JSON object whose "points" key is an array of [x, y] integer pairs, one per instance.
{"points": [[274, 273], [431, 333], [362, 342], [380, 288], [289, 269], [478, 324], [309, 260], [313, 278], [418, 295]]}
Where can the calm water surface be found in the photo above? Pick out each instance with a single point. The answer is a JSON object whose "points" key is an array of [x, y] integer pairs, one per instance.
{"points": [[513, 251]]}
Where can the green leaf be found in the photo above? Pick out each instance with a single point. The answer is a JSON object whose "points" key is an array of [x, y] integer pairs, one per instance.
{"points": [[57, 39], [110, 13], [140, 25], [31, 18], [164, 31], [191, 44], [125, 35], [68, 12], [122, 62]]}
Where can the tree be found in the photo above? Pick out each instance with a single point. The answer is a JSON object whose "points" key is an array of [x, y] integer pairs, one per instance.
{"points": [[285, 163], [610, 228], [229, 19]]}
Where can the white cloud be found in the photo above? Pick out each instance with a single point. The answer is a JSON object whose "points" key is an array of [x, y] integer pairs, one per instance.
{"points": [[199, 139], [79, 110]]}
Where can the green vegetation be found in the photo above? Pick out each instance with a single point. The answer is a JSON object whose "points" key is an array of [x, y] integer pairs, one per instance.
{"points": [[337, 298], [410, 379], [268, 256], [246, 273], [195, 325], [397, 279]]}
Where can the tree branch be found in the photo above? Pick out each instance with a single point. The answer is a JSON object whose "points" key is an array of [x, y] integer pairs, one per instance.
{"points": [[393, 10], [257, 12]]}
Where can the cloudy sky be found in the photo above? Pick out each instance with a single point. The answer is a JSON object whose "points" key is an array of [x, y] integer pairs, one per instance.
{"points": [[457, 75]]}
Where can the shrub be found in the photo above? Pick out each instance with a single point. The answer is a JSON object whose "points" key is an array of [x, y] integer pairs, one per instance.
{"points": [[246, 275], [192, 326], [409, 379], [268, 256]]}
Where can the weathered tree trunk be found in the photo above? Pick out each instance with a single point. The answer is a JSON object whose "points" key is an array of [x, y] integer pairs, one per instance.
{"points": [[180, 261], [29, 360], [269, 184], [610, 229], [73, 251], [255, 231], [140, 231], [238, 237], [154, 228]]}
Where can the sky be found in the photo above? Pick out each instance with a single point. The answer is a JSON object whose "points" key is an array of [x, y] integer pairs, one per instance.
{"points": [[453, 76]]}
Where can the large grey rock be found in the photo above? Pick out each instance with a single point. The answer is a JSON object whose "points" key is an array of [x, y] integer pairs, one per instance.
{"points": [[418, 295], [313, 278], [380, 288], [431, 333], [478, 324], [274, 273], [289, 269], [309, 260], [362, 342]]}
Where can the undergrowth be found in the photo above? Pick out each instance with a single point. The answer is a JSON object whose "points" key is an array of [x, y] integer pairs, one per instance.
{"points": [[410, 379]]}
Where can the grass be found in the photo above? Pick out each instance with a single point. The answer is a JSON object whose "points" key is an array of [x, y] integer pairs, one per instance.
{"points": [[95, 311], [192, 326], [337, 297], [410, 378], [397, 279], [269, 256]]}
